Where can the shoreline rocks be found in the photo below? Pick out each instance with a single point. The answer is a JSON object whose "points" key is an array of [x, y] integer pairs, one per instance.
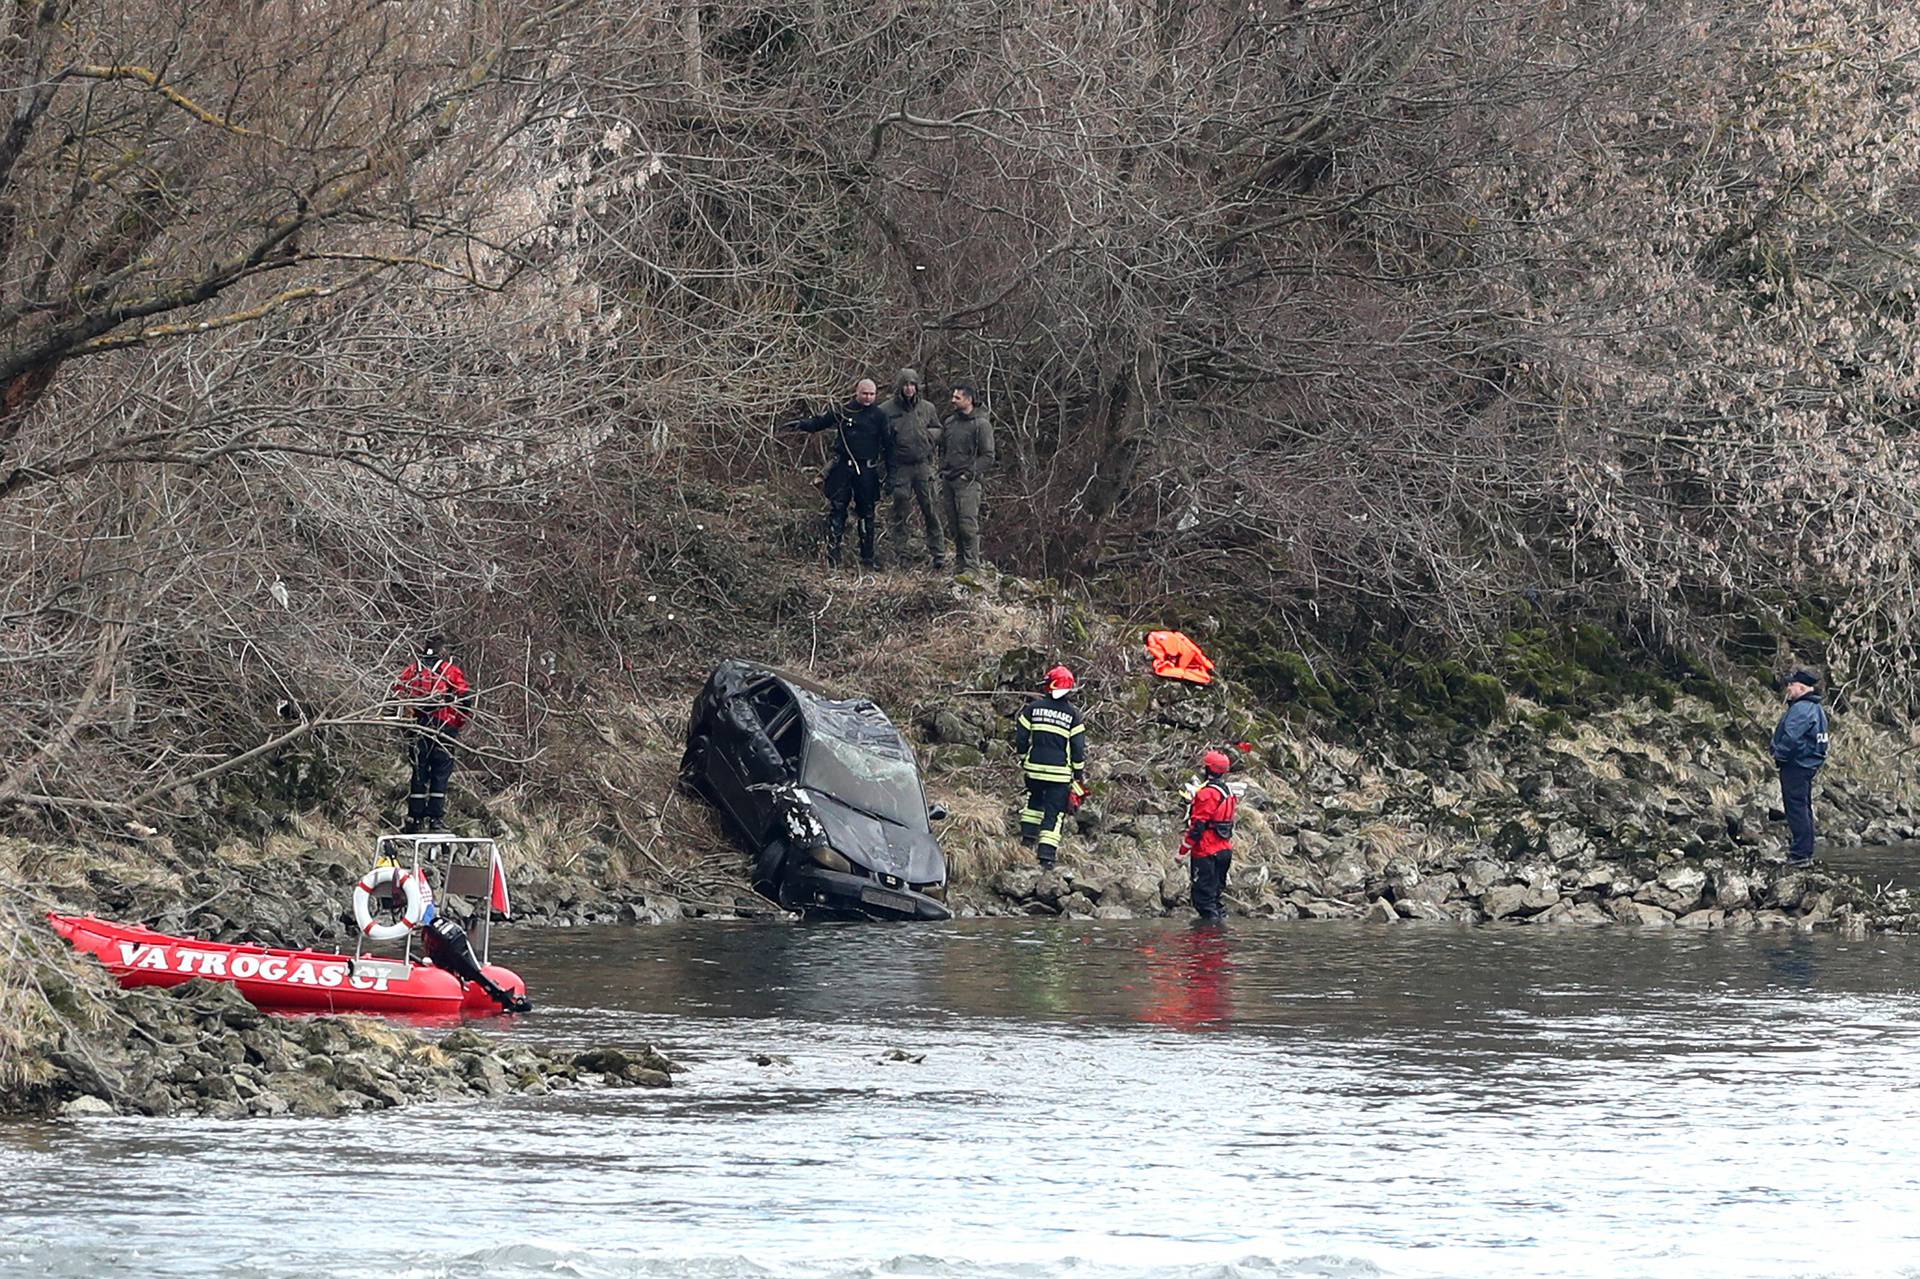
{"points": [[201, 1048]]}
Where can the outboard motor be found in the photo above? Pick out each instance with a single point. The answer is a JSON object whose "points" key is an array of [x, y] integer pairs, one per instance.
{"points": [[448, 948]]}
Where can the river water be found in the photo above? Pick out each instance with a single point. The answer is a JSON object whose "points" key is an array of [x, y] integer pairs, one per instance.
{"points": [[1122, 1100]]}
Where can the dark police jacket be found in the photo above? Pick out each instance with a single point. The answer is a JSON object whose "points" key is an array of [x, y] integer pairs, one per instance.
{"points": [[1050, 740], [861, 438], [1800, 738]]}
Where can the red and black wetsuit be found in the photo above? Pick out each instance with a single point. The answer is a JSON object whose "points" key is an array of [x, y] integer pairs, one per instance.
{"points": [[1209, 845], [441, 698]]}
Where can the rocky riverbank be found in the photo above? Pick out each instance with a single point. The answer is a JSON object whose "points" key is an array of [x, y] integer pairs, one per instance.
{"points": [[1617, 797], [1650, 808]]}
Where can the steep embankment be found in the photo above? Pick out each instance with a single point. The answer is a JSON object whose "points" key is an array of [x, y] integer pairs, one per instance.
{"points": [[1478, 805], [1646, 809]]}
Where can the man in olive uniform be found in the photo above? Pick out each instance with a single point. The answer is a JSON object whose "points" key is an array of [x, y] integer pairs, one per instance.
{"points": [[860, 461], [915, 424], [966, 455]]}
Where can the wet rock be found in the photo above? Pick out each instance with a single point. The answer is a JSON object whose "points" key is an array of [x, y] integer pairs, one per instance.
{"points": [[1140, 890], [641, 1066], [1344, 873], [303, 1096], [84, 1106], [1503, 902], [1113, 910], [1677, 890], [1731, 889], [1381, 911], [1479, 874], [1424, 911], [489, 1076], [1076, 905], [1017, 883], [1052, 886], [1095, 882], [1627, 910], [902, 1055], [1786, 891], [1578, 915], [1817, 908]]}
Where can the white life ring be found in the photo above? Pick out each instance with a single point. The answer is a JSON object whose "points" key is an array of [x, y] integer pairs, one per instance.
{"points": [[412, 886]]}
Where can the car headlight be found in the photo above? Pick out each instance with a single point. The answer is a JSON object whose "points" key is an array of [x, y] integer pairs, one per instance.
{"points": [[936, 891], [826, 857]]}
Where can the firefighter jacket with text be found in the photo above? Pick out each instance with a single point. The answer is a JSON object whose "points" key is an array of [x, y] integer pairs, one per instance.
{"points": [[1051, 740]]}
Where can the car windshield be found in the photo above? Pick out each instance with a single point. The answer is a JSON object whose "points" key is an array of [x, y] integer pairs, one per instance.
{"points": [[856, 756]]}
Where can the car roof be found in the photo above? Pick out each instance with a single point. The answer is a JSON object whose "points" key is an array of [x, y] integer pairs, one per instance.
{"points": [[740, 670]]}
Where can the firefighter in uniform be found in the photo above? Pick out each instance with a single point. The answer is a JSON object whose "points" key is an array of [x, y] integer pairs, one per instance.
{"points": [[1209, 841], [1051, 741], [437, 691]]}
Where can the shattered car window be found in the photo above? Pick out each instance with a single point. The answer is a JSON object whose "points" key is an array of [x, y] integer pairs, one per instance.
{"points": [[855, 755]]}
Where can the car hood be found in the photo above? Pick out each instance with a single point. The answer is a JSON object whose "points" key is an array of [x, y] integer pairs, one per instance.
{"points": [[881, 846]]}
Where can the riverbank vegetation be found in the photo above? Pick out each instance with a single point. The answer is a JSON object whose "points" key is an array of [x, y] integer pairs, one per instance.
{"points": [[1454, 370], [1424, 325]]}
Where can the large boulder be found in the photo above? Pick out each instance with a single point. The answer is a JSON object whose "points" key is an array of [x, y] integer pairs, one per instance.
{"points": [[1639, 914], [1677, 890]]}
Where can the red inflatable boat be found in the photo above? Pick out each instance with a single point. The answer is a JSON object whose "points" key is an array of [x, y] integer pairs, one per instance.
{"points": [[288, 981]]}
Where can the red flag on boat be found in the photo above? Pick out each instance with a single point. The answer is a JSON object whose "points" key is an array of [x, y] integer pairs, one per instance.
{"points": [[500, 902]]}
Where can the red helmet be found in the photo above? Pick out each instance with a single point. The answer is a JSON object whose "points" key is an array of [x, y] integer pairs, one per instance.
{"points": [[1216, 762], [1060, 677]]}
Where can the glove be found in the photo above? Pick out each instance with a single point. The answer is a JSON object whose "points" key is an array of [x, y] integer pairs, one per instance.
{"points": [[1076, 796]]}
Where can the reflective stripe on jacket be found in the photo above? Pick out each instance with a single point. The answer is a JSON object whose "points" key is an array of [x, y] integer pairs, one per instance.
{"points": [[1051, 740]]}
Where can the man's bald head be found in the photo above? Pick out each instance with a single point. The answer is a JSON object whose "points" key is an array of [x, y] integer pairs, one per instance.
{"points": [[864, 390]]}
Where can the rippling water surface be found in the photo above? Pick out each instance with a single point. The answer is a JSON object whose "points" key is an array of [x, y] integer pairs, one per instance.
{"points": [[1111, 1100]]}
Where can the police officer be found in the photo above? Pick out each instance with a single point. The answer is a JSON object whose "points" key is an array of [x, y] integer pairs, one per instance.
{"points": [[860, 460], [1800, 748], [966, 455], [437, 691], [1209, 840], [1051, 741], [914, 424]]}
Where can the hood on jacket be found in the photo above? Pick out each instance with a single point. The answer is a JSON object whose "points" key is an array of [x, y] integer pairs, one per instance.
{"points": [[905, 376]]}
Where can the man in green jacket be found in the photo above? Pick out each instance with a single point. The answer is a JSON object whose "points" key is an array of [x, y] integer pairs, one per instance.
{"points": [[915, 426], [966, 455]]}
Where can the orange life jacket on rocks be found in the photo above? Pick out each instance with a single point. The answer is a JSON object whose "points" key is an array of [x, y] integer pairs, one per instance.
{"points": [[1177, 657]]}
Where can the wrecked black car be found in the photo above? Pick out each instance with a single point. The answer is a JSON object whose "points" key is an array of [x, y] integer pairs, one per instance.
{"points": [[823, 790]]}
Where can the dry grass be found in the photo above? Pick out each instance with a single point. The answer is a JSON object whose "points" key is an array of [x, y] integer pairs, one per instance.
{"points": [[47, 995], [979, 836]]}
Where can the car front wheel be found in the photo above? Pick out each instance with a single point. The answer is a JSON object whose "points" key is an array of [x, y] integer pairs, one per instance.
{"points": [[770, 865]]}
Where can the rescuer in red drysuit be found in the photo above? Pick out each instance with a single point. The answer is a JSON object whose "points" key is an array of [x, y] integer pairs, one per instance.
{"points": [[435, 688], [1209, 841]]}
